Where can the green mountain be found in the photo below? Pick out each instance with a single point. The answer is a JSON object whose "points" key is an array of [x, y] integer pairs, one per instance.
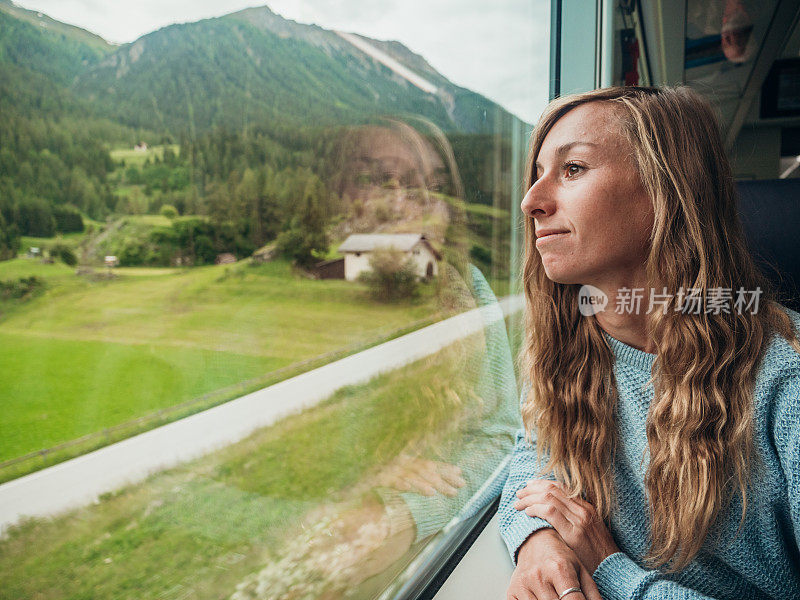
{"points": [[254, 67], [249, 68], [256, 102], [33, 40], [53, 154]]}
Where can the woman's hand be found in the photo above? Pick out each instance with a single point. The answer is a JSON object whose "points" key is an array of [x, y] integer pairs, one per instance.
{"points": [[575, 520], [338, 547], [426, 477], [546, 568], [367, 541]]}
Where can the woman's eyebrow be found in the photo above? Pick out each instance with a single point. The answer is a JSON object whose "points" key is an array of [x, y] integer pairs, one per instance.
{"points": [[566, 147]]}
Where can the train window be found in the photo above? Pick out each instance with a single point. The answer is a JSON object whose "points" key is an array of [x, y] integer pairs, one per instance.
{"points": [[259, 291]]}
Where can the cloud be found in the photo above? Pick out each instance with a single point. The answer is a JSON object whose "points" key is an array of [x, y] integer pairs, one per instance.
{"points": [[122, 22], [499, 49]]}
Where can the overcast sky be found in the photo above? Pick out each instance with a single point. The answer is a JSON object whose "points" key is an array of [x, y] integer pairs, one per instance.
{"points": [[498, 48]]}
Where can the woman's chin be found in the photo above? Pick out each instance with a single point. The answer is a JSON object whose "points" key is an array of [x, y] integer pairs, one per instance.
{"points": [[565, 276]]}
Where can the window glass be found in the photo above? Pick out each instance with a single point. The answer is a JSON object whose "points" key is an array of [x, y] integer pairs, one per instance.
{"points": [[723, 38], [259, 292], [578, 46]]}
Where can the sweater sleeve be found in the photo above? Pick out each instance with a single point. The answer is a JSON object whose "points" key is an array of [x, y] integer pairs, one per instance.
{"points": [[515, 525], [618, 577], [488, 438]]}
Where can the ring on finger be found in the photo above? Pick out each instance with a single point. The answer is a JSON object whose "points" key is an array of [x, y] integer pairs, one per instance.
{"points": [[571, 590]]}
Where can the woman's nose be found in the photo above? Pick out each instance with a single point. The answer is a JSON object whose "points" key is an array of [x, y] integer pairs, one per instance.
{"points": [[535, 202]]}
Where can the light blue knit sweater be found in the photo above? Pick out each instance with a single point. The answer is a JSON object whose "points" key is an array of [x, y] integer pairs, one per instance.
{"points": [[763, 561]]}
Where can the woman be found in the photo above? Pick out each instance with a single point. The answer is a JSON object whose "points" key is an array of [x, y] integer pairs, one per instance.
{"points": [[662, 456]]}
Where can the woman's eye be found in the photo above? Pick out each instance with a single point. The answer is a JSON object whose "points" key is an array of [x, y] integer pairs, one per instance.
{"points": [[572, 169]]}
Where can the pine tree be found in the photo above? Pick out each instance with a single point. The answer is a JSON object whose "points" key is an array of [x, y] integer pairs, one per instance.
{"points": [[306, 240], [9, 239]]}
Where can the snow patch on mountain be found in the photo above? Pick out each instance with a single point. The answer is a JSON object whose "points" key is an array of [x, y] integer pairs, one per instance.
{"points": [[385, 59]]}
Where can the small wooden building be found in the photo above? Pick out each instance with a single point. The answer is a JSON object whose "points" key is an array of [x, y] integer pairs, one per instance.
{"points": [[330, 269]]}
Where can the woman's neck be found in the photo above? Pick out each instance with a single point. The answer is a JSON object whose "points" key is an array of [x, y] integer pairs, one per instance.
{"points": [[628, 329], [626, 314]]}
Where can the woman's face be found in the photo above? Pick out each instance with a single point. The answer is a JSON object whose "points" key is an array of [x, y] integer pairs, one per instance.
{"points": [[587, 186]]}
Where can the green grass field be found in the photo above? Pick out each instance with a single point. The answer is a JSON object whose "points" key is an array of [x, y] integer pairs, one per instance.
{"points": [[87, 355], [70, 239], [137, 158], [25, 267], [198, 530], [58, 390], [151, 220]]}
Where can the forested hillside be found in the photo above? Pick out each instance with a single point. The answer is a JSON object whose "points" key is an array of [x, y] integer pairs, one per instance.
{"points": [[54, 156], [256, 68], [253, 113]]}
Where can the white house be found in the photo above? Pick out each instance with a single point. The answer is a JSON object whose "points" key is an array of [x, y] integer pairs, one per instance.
{"points": [[358, 248]]}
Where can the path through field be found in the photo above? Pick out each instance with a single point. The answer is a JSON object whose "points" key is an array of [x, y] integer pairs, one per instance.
{"points": [[81, 480]]}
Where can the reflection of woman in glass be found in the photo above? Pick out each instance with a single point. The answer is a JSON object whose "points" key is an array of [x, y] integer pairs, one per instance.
{"points": [[724, 26], [357, 540], [663, 456]]}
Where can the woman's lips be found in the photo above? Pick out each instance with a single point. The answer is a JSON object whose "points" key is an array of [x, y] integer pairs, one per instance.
{"points": [[550, 236]]}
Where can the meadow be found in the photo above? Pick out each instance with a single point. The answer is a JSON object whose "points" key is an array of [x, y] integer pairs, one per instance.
{"points": [[91, 352], [200, 530], [132, 157]]}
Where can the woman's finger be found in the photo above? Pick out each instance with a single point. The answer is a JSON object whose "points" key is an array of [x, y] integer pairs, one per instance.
{"points": [[526, 501], [546, 491], [441, 485], [564, 580], [544, 590], [392, 479], [571, 509], [451, 474], [518, 589], [557, 499], [534, 486], [434, 479], [529, 488], [522, 492], [588, 586], [418, 483], [552, 515]]}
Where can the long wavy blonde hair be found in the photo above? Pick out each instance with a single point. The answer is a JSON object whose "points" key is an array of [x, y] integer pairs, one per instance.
{"points": [[699, 426]]}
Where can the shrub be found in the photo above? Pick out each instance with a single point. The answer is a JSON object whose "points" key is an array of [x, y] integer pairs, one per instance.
{"points": [[133, 253], [302, 247], [383, 211], [35, 218], [9, 239], [481, 254], [133, 176], [64, 253], [305, 240], [21, 289], [393, 275], [68, 220], [169, 211]]}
